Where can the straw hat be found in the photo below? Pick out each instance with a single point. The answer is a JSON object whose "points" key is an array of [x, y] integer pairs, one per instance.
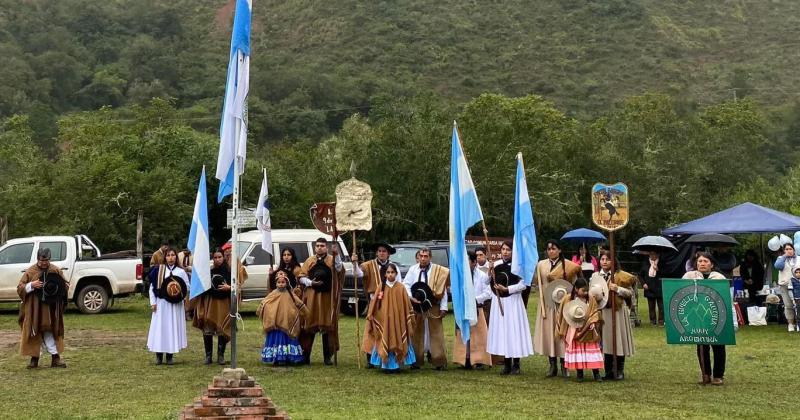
{"points": [[598, 289], [773, 299], [555, 291], [576, 312]]}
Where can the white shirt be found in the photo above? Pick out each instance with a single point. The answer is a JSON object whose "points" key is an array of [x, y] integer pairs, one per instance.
{"points": [[480, 282], [414, 274]]}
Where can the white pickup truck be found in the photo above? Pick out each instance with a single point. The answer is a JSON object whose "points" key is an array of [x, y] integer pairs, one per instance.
{"points": [[94, 279]]}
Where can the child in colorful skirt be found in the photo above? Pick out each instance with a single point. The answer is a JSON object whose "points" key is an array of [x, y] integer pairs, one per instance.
{"points": [[281, 313], [579, 325], [392, 319]]}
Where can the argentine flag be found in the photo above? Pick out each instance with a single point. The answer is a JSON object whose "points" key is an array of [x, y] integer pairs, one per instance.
{"points": [[465, 211], [198, 242], [233, 129], [525, 255]]}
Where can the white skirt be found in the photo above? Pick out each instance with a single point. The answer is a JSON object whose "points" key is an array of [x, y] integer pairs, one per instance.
{"points": [[167, 328], [510, 333]]}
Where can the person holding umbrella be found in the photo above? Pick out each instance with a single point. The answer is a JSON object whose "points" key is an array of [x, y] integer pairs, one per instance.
{"points": [[586, 260], [651, 283]]}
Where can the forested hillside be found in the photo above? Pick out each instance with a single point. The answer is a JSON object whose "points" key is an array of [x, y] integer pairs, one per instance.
{"points": [[692, 103]]}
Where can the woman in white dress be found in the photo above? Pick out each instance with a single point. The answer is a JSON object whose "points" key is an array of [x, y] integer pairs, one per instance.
{"points": [[169, 285], [509, 333]]}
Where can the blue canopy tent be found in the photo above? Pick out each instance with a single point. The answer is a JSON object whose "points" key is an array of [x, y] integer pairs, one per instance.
{"points": [[744, 218]]}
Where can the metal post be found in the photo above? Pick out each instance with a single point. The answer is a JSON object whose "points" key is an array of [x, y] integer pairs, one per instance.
{"points": [[234, 241]]}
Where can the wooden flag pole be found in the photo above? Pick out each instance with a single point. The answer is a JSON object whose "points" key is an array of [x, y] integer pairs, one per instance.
{"points": [[355, 292], [613, 295], [491, 267]]}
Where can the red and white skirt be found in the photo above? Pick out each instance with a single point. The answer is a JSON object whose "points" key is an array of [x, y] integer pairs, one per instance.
{"points": [[582, 355]]}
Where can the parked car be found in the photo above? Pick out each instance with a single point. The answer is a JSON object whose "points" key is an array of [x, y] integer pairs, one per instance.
{"points": [[94, 279], [257, 261]]}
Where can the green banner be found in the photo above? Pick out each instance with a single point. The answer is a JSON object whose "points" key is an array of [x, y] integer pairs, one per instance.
{"points": [[698, 311]]}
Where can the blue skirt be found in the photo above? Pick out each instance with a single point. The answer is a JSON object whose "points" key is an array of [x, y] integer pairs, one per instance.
{"points": [[391, 363], [278, 347]]}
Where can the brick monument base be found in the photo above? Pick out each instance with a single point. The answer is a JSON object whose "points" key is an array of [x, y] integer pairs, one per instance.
{"points": [[233, 395]]}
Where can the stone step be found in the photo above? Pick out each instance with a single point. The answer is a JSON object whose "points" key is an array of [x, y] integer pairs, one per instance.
{"points": [[233, 392], [220, 382], [233, 411], [235, 402]]}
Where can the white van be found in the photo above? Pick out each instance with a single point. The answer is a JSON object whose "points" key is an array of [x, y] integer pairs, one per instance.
{"points": [[257, 261]]}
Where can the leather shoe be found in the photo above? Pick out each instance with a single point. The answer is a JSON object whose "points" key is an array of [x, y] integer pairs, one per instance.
{"points": [[56, 362], [34, 363]]}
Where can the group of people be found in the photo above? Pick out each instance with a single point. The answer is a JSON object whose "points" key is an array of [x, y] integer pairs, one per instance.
{"points": [[582, 322]]}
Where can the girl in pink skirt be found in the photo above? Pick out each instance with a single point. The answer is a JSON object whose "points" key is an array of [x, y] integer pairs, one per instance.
{"points": [[579, 325]]}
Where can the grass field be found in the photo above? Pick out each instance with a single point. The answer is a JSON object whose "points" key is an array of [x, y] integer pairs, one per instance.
{"points": [[111, 375]]}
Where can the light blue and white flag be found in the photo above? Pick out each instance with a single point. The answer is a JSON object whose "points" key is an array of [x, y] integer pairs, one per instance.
{"points": [[465, 211], [198, 242], [233, 129], [263, 220], [524, 255]]}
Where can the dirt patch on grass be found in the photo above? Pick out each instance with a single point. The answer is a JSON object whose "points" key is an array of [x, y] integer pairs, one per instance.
{"points": [[76, 339]]}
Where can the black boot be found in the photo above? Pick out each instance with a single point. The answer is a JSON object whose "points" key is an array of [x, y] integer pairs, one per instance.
{"points": [[608, 367], [169, 359], [369, 365], [596, 375], [326, 351], [221, 343], [553, 370], [515, 366], [34, 363], [579, 375], [506, 366], [208, 344], [159, 358], [620, 374], [564, 371]]}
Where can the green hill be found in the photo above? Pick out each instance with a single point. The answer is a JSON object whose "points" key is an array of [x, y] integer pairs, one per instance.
{"points": [[315, 63]]}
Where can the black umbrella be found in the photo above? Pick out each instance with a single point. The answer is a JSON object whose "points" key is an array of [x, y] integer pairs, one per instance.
{"points": [[712, 239]]}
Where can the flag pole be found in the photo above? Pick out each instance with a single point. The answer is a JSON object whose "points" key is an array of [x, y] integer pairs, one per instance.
{"points": [[234, 240]]}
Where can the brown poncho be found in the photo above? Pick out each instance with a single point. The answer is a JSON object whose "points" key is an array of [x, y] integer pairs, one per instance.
{"points": [[282, 310], [213, 314], [392, 321], [36, 316], [323, 306], [584, 334]]}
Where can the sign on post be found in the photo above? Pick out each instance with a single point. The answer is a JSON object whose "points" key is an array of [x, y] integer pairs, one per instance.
{"points": [[353, 206], [323, 215], [610, 206], [698, 311], [247, 218]]}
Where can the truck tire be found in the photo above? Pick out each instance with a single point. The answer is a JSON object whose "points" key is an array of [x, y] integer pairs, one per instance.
{"points": [[92, 299]]}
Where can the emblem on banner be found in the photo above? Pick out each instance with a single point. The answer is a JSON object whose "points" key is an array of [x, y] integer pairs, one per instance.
{"points": [[610, 206]]}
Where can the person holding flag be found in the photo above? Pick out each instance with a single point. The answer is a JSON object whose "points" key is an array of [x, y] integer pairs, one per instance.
{"points": [[509, 333], [465, 212], [211, 309]]}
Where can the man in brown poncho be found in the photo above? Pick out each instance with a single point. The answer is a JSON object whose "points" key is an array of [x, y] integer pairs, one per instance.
{"points": [[323, 305], [42, 324], [428, 337]]}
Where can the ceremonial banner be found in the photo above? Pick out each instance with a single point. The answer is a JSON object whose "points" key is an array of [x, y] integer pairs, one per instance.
{"points": [[698, 311], [323, 215], [610, 206], [353, 206]]}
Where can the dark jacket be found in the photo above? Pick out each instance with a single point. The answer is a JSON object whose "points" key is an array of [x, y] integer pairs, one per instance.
{"points": [[653, 283], [756, 273]]}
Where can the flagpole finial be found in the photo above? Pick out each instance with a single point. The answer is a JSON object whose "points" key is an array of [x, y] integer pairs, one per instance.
{"points": [[352, 169], [454, 123], [519, 155]]}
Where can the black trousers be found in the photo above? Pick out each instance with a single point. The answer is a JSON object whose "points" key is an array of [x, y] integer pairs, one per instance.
{"points": [[652, 304], [704, 357]]}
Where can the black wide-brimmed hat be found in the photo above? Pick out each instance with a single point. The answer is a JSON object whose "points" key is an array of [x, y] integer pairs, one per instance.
{"points": [[173, 289], [218, 280], [53, 289], [385, 245], [503, 276], [321, 272], [423, 293]]}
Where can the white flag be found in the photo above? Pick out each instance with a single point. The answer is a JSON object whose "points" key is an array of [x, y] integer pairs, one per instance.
{"points": [[263, 221]]}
